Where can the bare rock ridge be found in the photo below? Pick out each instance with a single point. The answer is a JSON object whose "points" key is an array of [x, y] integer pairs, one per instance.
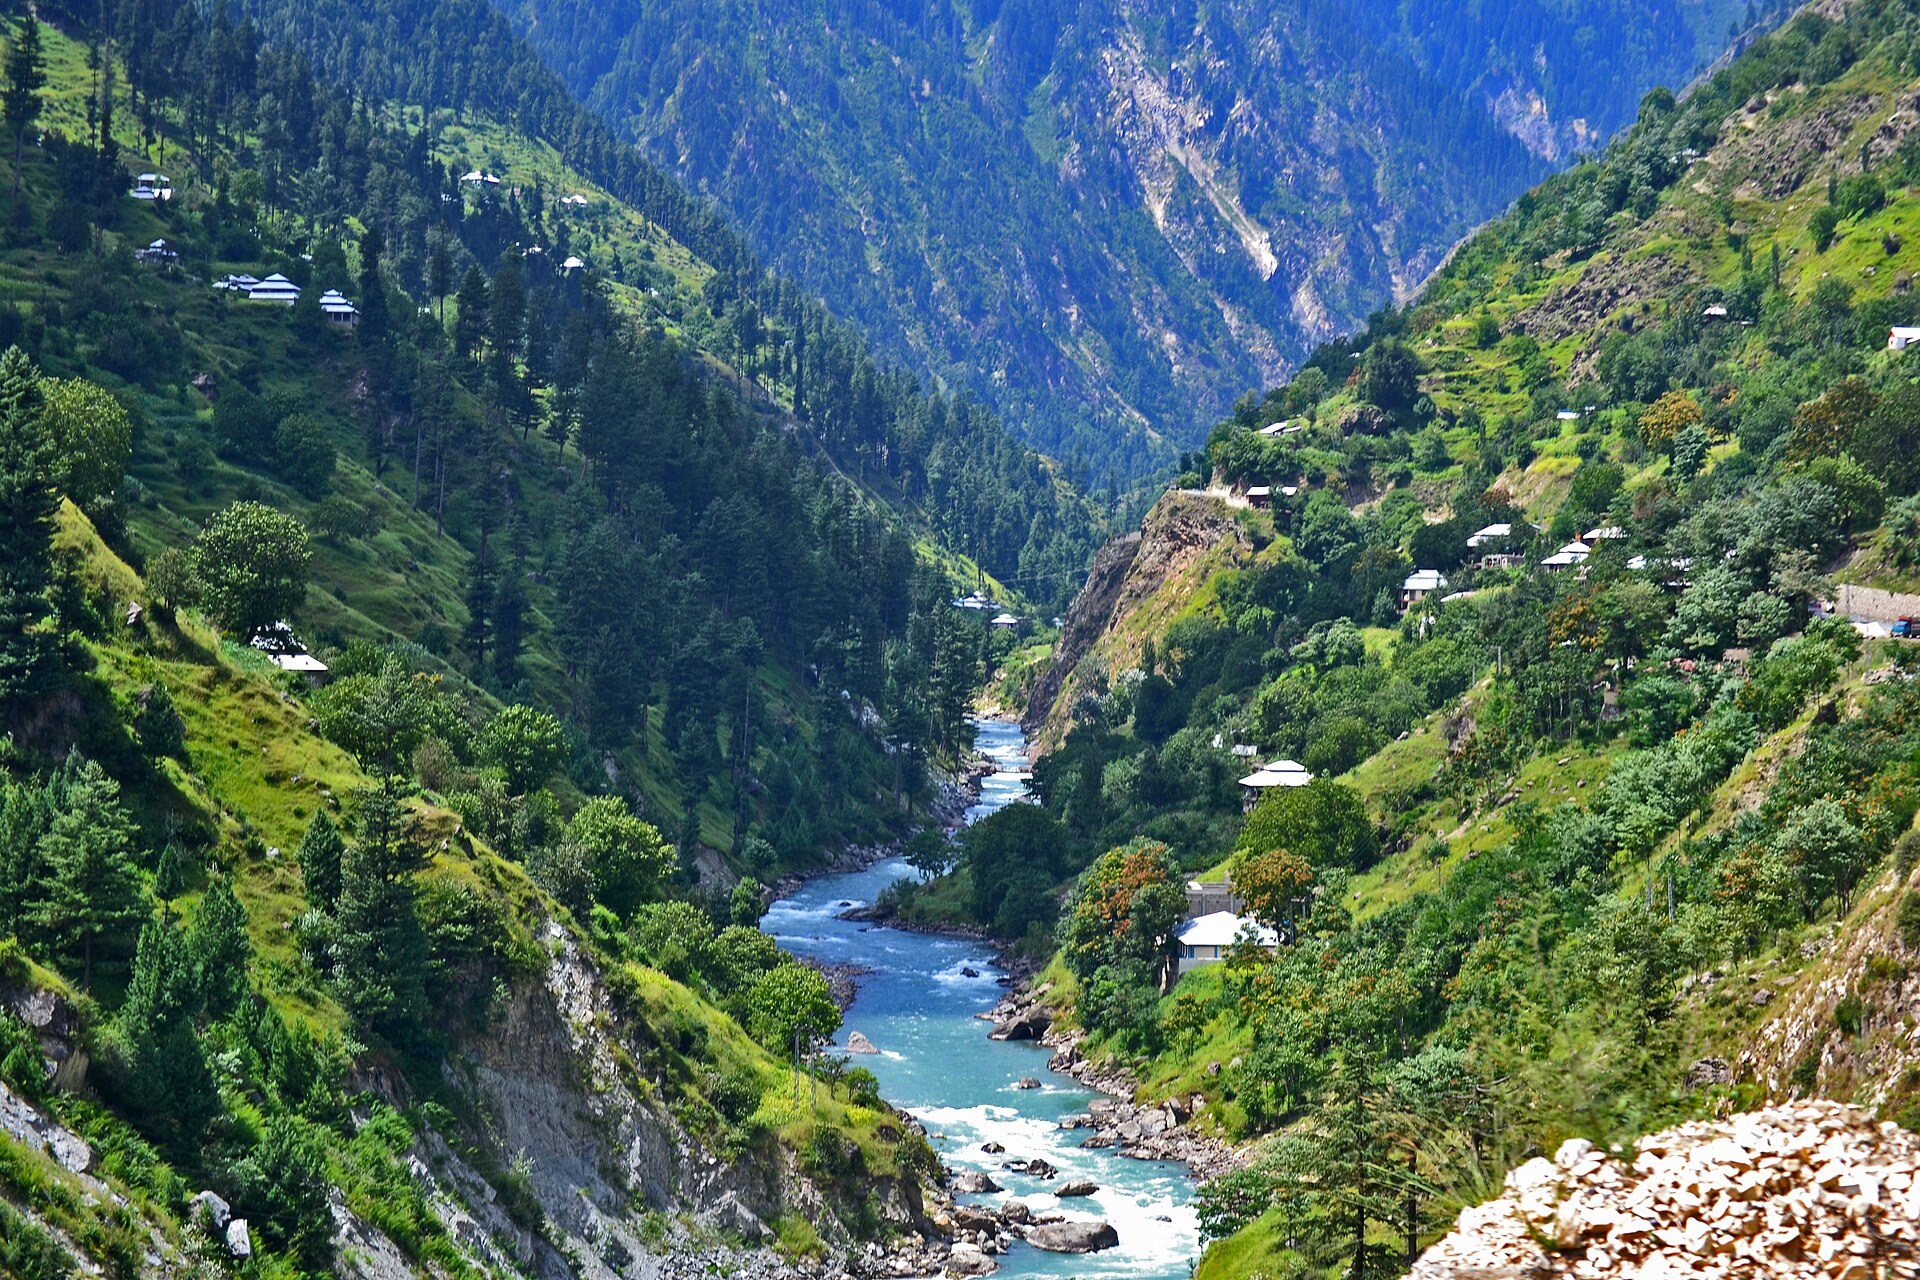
{"points": [[1804, 1189]]}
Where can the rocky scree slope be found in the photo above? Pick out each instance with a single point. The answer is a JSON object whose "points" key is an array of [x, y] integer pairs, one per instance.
{"points": [[1808, 1189]]}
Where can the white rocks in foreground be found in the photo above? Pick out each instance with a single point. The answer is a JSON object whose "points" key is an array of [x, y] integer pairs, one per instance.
{"points": [[1804, 1190]]}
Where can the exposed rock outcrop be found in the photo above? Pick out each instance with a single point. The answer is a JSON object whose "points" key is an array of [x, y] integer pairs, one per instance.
{"points": [[1807, 1189]]}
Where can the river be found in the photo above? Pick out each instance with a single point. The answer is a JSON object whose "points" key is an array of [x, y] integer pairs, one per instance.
{"points": [[917, 1005]]}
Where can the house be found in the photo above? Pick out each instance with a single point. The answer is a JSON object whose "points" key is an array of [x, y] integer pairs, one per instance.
{"points": [[1900, 335], [1568, 415], [1004, 622], [275, 288], [1420, 584], [236, 284], [1244, 750], [1204, 897], [1714, 312], [1499, 532], [1209, 939], [575, 201], [475, 178], [159, 253], [286, 652], [1279, 773], [1575, 552], [152, 186], [1260, 496], [572, 265], [973, 602], [1289, 490], [338, 310], [1606, 533], [1273, 429]]}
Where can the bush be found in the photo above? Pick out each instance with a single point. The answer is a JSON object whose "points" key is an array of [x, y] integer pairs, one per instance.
{"points": [[1906, 918]]}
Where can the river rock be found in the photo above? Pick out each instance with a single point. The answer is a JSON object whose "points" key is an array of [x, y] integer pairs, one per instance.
{"points": [[1027, 1082], [1041, 1169], [967, 1218], [1016, 1212], [1028, 1024], [1071, 1189], [993, 1148], [973, 1183], [858, 1043], [968, 971], [1073, 1237], [968, 1260]]}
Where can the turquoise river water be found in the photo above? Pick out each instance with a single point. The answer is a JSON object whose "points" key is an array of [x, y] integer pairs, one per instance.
{"points": [[917, 1006]]}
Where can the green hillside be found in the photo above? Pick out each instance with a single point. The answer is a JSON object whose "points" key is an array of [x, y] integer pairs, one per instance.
{"points": [[627, 582], [1594, 844]]}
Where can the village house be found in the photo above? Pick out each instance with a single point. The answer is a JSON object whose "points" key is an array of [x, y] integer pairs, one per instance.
{"points": [[1574, 553], [573, 264], [275, 288], [338, 310], [1420, 584], [1900, 335], [1004, 622], [152, 186], [159, 254], [1260, 497], [1280, 773], [1211, 938]]}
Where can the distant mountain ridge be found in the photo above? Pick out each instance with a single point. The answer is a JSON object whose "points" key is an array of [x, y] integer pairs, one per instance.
{"points": [[1106, 219]]}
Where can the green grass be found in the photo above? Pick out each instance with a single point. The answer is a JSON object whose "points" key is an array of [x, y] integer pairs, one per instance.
{"points": [[1258, 1253]]}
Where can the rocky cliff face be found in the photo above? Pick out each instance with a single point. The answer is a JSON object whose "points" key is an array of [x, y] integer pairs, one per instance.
{"points": [[1138, 585]]}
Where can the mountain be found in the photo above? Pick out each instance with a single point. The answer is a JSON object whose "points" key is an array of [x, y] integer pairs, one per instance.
{"points": [[1105, 219], [1611, 821], [430, 602]]}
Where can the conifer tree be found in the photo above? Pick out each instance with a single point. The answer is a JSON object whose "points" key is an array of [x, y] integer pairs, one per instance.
{"points": [[26, 75], [380, 952], [91, 899], [320, 854], [169, 878], [162, 1071], [28, 501], [218, 941]]}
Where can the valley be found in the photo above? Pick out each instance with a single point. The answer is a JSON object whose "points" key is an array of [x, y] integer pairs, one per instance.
{"points": [[1434, 718]]}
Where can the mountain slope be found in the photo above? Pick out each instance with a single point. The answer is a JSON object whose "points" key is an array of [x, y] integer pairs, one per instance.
{"points": [[1106, 219], [1609, 829]]}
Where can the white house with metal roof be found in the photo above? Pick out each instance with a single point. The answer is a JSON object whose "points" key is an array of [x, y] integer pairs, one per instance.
{"points": [[275, 288], [1210, 938]]}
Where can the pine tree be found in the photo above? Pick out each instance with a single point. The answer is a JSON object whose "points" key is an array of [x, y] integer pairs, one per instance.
{"points": [[26, 75], [439, 277], [28, 501], [320, 854], [380, 951], [161, 1070], [91, 901], [509, 627], [218, 941], [169, 877], [26, 812], [373, 288]]}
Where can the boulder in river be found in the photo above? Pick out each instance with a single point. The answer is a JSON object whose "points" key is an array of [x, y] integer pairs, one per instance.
{"points": [[1027, 1082], [1081, 1188], [992, 1148], [1016, 1211], [858, 1043], [973, 1183], [1041, 1169], [1073, 1237], [969, 1260], [968, 971], [1028, 1024]]}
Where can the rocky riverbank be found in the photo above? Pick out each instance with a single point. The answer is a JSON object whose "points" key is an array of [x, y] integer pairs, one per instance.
{"points": [[1159, 1131]]}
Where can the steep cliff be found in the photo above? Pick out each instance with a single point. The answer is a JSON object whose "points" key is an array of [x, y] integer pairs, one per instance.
{"points": [[1139, 586]]}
